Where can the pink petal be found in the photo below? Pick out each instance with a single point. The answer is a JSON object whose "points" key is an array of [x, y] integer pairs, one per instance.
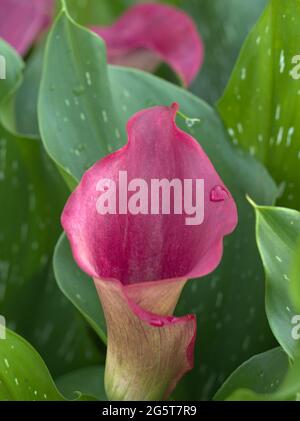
{"points": [[21, 21], [147, 354], [140, 248], [163, 32]]}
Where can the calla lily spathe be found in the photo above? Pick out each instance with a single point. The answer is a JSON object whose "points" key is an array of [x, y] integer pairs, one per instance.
{"points": [[140, 263]]}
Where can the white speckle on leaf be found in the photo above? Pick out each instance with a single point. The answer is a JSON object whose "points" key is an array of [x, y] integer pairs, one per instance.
{"points": [[88, 78], [289, 136], [104, 116], [277, 112], [279, 135], [240, 127], [281, 62]]}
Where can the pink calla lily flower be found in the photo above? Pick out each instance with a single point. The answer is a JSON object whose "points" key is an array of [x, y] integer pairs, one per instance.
{"points": [[140, 261], [21, 21], [149, 33]]}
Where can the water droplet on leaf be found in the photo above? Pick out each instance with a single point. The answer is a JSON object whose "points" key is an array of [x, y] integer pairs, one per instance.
{"points": [[190, 122]]}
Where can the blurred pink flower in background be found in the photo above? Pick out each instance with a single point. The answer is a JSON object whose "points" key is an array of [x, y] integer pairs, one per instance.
{"points": [[149, 33], [141, 262], [21, 21]]}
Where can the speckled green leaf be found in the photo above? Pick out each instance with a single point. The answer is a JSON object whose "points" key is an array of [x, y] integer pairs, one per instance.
{"points": [[24, 375], [261, 374], [75, 96], [265, 377], [32, 195], [261, 103], [229, 303], [278, 230], [78, 287]]}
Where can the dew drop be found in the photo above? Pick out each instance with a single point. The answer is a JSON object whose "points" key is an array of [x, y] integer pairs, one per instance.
{"points": [[218, 194], [156, 322]]}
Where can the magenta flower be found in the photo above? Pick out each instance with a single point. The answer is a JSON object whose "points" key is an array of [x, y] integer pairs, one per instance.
{"points": [[21, 21], [140, 249], [149, 33]]}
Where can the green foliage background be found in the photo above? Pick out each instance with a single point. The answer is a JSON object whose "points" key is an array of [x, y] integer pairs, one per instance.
{"points": [[52, 130]]}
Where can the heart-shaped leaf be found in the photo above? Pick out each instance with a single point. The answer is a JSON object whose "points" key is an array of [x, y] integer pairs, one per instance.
{"points": [[266, 79], [265, 377], [278, 230], [91, 121]]}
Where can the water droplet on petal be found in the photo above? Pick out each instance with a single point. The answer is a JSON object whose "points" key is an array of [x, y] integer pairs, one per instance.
{"points": [[190, 122], [218, 194], [156, 322]]}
